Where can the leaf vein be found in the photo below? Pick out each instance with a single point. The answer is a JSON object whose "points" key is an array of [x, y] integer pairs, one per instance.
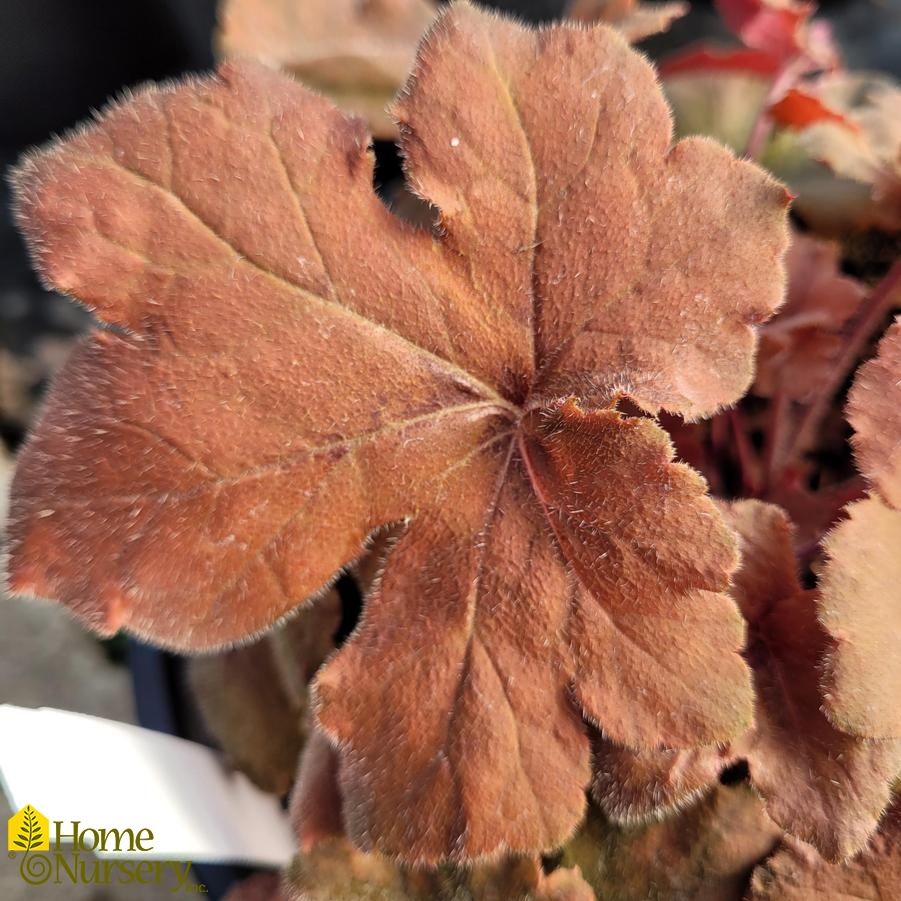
{"points": [[451, 369]]}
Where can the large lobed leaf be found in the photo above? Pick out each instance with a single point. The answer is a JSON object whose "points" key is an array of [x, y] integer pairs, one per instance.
{"points": [[292, 368]]}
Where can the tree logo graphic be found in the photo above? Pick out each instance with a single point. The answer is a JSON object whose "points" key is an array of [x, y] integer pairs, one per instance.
{"points": [[28, 830]]}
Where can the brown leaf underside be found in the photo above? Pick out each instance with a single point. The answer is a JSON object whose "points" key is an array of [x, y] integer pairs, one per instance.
{"points": [[224, 454], [315, 806], [635, 787]]}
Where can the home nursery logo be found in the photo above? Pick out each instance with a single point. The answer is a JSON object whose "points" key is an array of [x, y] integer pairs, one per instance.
{"points": [[28, 830], [29, 834]]}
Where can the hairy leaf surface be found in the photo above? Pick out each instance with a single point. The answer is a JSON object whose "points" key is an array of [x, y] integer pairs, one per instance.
{"points": [[844, 145], [639, 786], [823, 785], [874, 411], [292, 369], [861, 602], [861, 609], [797, 873]]}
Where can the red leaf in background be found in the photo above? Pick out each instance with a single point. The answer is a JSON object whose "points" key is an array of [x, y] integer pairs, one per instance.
{"points": [[295, 369], [705, 58], [799, 109], [769, 25], [719, 92], [781, 28], [846, 170]]}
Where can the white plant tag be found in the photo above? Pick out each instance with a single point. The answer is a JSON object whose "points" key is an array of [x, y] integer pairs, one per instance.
{"points": [[102, 775]]}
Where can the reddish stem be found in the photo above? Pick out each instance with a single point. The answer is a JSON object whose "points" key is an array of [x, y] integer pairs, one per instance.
{"points": [[872, 312], [748, 463], [840, 495], [719, 434], [778, 420]]}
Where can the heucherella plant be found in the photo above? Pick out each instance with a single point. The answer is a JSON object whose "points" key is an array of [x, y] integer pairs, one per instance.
{"points": [[481, 421]]}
